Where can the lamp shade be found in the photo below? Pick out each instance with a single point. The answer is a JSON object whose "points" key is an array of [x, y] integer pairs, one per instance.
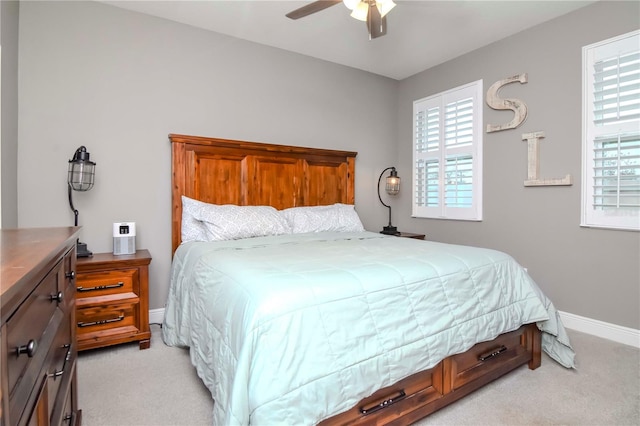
{"points": [[81, 170], [361, 11], [351, 3], [393, 183], [385, 6]]}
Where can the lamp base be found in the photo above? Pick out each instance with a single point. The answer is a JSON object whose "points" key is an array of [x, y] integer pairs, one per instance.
{"points": [[81, 250], [390, 230]]}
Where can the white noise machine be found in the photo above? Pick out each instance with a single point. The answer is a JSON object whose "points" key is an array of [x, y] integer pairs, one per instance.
{"points": [[124, 238]]}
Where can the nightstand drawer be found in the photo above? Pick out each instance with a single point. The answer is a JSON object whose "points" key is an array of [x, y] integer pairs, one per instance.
{"points": [[112, 300], [106, 282], [106, 317]]}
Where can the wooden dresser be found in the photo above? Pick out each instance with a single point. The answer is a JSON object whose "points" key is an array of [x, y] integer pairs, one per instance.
{"points": [[112, 300], [39, 352]]}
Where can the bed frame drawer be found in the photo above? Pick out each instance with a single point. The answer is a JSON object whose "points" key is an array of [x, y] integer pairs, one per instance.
{"points": [[393, 401], [484, 358], [453, 378]]}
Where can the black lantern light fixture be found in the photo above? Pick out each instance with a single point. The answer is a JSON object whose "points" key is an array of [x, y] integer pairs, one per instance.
{"points": [[80, 178], [392, 187]]}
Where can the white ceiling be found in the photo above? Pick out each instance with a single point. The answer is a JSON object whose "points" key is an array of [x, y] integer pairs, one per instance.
{"points": [[420, 34]]}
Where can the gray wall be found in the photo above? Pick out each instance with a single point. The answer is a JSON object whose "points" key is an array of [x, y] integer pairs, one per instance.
{"points": [[589, 272], [9, 15], [119, 82]]}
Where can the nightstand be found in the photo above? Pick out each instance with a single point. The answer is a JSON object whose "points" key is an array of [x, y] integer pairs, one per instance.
{"points": [[411, 235], [112, 300]]}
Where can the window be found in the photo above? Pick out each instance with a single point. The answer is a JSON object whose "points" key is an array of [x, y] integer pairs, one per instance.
{"points": [[447, 154], [611, 133]]}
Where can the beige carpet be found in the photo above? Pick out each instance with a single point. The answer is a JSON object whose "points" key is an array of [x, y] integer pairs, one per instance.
{"points": [[123, 386]]}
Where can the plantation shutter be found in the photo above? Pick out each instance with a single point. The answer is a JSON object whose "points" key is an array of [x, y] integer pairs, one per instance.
{"points": [[616, 173], [616, 89], [611, 141], [447, 154]]}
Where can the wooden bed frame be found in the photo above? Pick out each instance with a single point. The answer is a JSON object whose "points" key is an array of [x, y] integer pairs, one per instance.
{"points": [[222, 171]]}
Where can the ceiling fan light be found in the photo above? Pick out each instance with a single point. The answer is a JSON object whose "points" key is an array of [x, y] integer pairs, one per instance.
{"points": [[351, 4], [361, 11], [385, 6]]}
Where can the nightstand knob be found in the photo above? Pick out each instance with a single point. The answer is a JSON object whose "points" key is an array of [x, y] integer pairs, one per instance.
{"points": [[71, 275], [29, 348]]}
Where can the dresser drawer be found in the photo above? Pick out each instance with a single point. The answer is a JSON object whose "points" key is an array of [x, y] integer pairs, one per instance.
{"points": [[70, 417], [59, 362], [31, 330], [486, 357], [37, 298], [92, 284]]}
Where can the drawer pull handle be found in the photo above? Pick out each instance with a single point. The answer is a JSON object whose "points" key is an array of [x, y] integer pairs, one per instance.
{"points": [[492, 353], [67, 357], [56, 297], [107, 321], [56, 373], [376, 406], [71, 275], [70, 418], [102, 287], [29, 348]]}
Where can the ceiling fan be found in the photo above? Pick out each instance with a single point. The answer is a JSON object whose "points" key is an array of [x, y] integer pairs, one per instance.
{"points": [[373, 12]]}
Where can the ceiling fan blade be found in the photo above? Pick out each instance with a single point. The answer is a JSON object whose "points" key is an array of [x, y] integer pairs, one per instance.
{"points": [[376, 24], [314, 7]]}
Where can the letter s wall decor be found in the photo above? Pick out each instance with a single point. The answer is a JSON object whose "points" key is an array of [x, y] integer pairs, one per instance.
{"points": [[518, 107]]}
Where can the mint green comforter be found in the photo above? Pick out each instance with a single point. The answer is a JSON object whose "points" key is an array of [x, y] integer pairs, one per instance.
{"points": [[292, 329]]}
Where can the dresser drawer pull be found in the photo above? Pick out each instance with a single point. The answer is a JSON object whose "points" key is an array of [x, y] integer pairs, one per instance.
{"points": [[56, 297], [372, 408], [107, 321], [67, 357], [70, 418], [102, 287], [56, 374], [71, 275], [492, 353], [29, 348]]}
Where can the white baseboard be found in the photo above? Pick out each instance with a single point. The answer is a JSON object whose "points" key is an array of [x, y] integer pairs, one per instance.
{"points": [[617, 333], [156, 316]]}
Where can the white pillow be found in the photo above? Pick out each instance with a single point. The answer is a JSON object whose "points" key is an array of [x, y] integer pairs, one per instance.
{"points": [[336, 217], [231, 222], [192, 229]]}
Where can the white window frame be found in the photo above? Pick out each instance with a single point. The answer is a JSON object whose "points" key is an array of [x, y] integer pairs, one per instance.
{"points": [[612, 217], [421, 206]]}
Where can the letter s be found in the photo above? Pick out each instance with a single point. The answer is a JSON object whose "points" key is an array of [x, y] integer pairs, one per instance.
{"points": [[516, 105]]}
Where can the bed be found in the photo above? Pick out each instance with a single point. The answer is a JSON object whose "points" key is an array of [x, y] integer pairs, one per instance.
{"points": [[331, 324]]}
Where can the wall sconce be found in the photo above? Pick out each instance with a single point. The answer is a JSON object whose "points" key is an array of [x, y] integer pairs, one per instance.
{"points": [[392, 187], [80, 178]]}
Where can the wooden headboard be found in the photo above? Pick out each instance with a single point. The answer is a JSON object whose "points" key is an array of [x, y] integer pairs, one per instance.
{"points": [[221, 171]]}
